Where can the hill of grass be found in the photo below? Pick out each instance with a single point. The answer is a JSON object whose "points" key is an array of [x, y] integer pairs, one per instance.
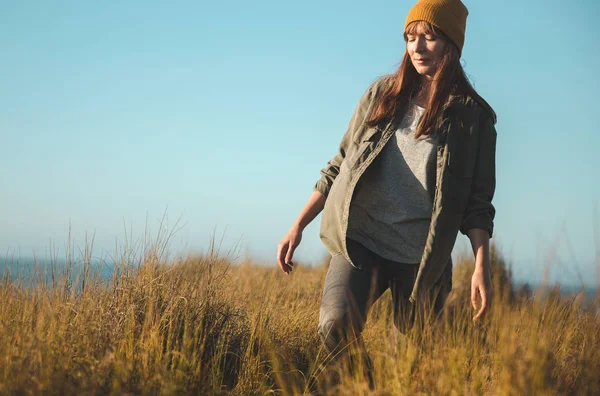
{"points": [[203, 326]]}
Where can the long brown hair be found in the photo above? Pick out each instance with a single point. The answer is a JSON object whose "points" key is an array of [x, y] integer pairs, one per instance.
{"points": [[449, 79]]}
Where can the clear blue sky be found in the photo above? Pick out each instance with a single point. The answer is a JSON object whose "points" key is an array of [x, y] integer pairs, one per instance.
{"points": [[223, 112]]}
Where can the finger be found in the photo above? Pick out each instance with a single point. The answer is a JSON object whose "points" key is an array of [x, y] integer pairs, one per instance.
{"points": [[289, 255], [474, 296], [484, 300], [484, 305], [279, 248], [479, 313], [280, 257], [287, 268]]}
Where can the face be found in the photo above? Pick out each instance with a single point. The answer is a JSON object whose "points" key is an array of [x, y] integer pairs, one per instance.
{"points": [[426, 50]]}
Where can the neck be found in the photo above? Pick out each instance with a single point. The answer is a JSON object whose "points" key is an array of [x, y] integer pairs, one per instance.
{"points": [[423, 91]]}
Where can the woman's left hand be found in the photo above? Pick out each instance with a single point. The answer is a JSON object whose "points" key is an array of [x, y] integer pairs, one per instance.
{"points": [[481, 284]]}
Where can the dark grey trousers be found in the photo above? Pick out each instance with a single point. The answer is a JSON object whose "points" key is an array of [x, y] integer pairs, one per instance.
{"points": [[349, 293]]}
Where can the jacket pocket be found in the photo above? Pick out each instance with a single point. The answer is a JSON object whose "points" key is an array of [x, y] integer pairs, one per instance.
{"points": [[355, 157], [361, 150], [461, 164], [462, 150], [368, 134]]}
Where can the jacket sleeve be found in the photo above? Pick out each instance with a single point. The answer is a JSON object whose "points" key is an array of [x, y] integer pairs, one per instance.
{"points": [[332, 168], [480, 211]]}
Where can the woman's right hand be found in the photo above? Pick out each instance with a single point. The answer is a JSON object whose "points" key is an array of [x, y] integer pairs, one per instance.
{"points": [[286, 248]]}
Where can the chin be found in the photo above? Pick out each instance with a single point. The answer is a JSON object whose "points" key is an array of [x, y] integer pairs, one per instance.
{"points": [[423, 70]]}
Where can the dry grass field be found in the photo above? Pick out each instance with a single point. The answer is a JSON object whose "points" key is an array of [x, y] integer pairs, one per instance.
{"points": [[204, 326]]}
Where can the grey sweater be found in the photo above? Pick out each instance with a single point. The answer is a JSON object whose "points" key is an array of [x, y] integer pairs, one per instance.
{"points": [[391, 207]]}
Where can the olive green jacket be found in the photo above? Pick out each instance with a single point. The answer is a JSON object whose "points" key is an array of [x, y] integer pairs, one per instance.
{"points": [[464, 185]]}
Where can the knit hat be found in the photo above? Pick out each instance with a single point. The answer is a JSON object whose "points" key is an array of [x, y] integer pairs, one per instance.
{"points": [[448, 15]]}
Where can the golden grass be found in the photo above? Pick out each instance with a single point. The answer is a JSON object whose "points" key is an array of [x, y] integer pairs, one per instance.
{"points": [[202, 326]]}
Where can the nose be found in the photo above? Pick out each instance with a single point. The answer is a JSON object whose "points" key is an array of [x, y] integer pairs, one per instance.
{"points": [[421, 45]]}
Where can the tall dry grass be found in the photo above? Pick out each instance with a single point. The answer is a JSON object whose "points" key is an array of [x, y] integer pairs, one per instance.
{"points": [[200, 325]]}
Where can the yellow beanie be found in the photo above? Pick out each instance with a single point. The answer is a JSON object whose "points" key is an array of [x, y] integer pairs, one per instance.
{"points": [[448, 15]]}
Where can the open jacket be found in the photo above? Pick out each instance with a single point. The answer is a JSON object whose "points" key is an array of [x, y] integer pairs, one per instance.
{"points": [[464, 184]]}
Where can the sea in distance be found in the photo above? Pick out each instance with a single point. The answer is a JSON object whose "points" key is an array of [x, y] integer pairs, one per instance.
{"points": [[29, 271]]}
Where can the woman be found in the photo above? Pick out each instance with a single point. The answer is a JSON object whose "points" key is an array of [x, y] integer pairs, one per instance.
{"points": [[416, 165]]}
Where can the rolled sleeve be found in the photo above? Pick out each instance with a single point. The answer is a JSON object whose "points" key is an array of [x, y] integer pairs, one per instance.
{"points": [[480, 211]]}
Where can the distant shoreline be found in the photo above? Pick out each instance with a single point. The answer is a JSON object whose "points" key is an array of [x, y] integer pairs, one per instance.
{"points": [[25, 266]]}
